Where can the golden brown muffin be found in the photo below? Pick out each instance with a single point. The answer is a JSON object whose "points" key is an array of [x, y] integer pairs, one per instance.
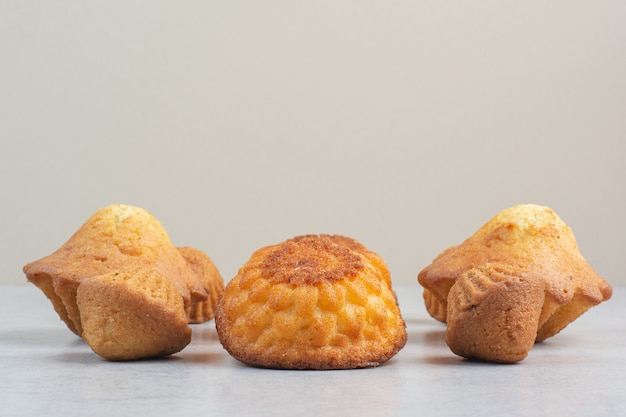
{"points": [[204, 268], [115, 238], [531, 242], [132, 314], [493, 313], [311, 302]]}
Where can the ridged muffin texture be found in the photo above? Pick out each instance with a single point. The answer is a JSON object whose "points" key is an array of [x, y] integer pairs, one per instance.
{"points": [[311, 302]]}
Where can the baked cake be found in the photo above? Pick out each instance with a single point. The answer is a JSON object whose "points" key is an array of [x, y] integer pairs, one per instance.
{"points": [[121, 285], [115, 238], [501, 266], [311, 302]]}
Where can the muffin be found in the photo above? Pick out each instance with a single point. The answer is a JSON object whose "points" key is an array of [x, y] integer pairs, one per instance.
{"points": [[493, 313], [530, 243], [113, 239], [311, 302], [132, 314]]}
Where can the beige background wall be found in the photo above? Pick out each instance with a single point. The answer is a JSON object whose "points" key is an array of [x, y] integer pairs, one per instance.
{"points": [[406, 125]]}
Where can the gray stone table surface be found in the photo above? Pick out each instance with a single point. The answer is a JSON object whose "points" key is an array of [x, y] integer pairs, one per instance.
{"points": [[45, 370]]}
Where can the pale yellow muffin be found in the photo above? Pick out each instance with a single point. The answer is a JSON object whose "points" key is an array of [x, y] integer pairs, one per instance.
{"points": [[132, 314], [311, 302], [532, 243], [115, 238]]}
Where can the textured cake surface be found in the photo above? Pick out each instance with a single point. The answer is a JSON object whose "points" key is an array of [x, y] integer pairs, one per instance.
{"points": [[312, 302]]}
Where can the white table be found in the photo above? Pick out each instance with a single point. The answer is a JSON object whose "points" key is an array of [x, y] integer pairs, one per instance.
{"points": [[47, 371]]}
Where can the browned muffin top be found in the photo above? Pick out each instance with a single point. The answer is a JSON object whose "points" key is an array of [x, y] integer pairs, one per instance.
{"points": [[310, 259]]}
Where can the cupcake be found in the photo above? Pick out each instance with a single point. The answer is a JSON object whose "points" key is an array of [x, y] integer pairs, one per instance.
{"points": [[523, 267], [311, 302]]}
